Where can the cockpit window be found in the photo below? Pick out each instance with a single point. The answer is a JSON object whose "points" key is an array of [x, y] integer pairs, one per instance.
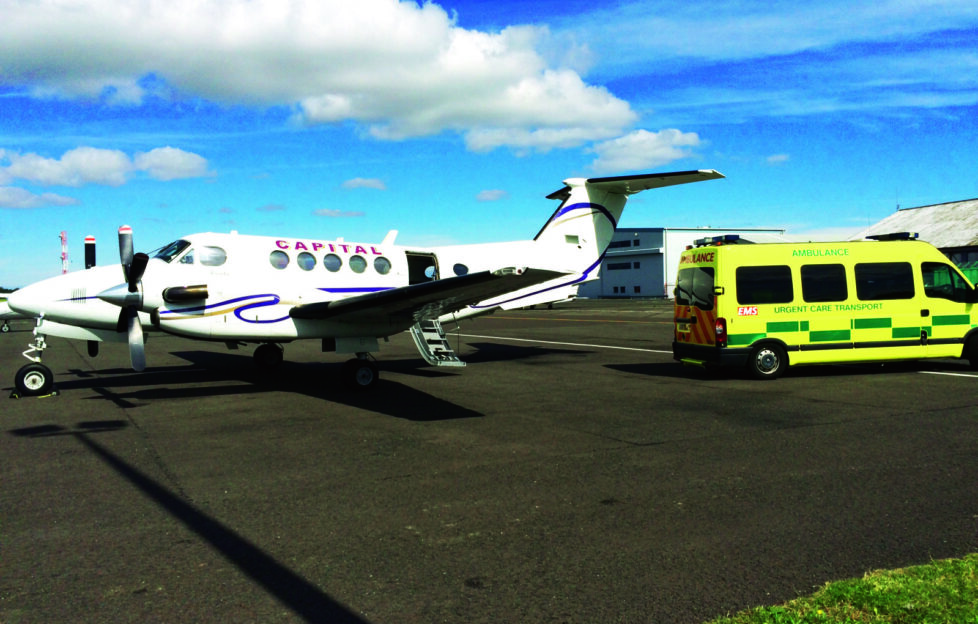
{"points": [[212, 256], [171, 251]]}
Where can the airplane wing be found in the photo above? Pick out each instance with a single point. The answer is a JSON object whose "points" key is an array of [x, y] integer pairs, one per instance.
{"points": [[410, 304]]}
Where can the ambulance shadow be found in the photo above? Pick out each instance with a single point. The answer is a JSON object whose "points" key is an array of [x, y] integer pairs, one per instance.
{"points": [[291, 589], [664, 369], [214, 374], [680, 371]]}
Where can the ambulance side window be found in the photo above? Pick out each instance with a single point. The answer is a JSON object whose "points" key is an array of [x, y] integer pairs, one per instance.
{"points": [[823, 282], [943, 282], [764, 284], [884, 280]]}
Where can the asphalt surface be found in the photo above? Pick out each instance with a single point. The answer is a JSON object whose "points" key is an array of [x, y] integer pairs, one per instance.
{"points": [[551, 480]]}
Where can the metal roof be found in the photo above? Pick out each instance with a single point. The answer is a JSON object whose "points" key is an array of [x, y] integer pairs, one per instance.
{"points": [[954, 224]]}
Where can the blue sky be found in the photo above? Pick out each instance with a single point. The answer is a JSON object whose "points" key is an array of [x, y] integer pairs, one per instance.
{"points": [[451, 121]]}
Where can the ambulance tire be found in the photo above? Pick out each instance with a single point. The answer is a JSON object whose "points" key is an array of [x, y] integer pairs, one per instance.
{"points": [[971, 351], [767, 361]]}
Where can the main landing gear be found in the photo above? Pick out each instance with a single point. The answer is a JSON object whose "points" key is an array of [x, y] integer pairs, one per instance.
{"points": [[34, 379], [360, 372]]}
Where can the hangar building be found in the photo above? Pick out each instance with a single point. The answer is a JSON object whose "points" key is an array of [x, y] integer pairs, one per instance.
{"points": [[951, 227], [643, 262]]}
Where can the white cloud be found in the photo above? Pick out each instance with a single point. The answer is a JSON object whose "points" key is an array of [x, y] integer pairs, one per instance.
{"points": [[92, 165], [778, 159], [337, 214], [642, 149], [491, 195], [400, 69], [371, 183], [170, 163], [18, 198]]}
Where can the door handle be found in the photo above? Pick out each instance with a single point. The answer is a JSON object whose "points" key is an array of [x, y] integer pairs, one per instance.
{"points": [[925, 313]]}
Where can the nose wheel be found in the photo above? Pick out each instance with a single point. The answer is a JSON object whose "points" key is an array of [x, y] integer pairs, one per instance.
{"points": [[34, 379]]}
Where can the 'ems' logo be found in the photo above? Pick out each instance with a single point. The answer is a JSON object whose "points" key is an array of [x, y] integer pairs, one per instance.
{"points": [[747, 311]]}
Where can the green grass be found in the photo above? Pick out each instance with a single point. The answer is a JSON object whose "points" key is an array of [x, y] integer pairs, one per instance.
{"points": [[942, 592]]}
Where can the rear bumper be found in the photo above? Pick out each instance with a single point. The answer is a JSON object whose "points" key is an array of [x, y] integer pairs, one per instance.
{"points": [[710, 355]]}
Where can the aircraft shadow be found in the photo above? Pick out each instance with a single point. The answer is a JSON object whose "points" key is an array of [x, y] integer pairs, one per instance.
{"points": [[303, 597], [211, 374]]}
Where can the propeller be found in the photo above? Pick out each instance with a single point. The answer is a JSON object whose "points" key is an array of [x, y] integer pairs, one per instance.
{"points": [[129, 297]]}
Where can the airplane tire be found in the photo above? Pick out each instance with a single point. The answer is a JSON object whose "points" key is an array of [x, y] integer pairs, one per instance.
{"points": [[362, 373], [268, 356], [767, 361], [34, 380]]}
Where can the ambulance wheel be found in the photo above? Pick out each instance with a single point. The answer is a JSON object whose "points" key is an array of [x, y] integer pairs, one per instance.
{"points": [[971, 351], [268, 355], [362, 373], [767, 361], [34, 380]]}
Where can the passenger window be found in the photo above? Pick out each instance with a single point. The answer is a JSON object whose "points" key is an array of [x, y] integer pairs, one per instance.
{"points": [[764, 284], [306, 261], [212, 256], [332, 262], [460, 269], [382, 265], [823, 282], [358, 264], [943, 282], [279, 259], [884, 280], [694, 287]]}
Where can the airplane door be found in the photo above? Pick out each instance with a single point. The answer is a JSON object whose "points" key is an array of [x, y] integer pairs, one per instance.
{"points": [[422, 267]]}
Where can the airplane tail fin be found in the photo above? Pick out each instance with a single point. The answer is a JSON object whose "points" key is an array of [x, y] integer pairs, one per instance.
{"points": [[590, 209]]}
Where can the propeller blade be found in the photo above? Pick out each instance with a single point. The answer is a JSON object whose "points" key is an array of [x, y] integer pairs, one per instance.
{"points": [[125, 248], [137, 349], [89, 251], [136, 270]]}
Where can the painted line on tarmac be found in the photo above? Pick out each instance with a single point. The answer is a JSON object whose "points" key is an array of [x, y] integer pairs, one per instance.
{"points": [[949, 374], [567, 344]]}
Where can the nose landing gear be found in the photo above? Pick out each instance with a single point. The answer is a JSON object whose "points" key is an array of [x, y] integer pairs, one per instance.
{"points": [[34, 379]]}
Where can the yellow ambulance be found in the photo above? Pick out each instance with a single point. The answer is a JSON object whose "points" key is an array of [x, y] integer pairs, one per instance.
{"points": [[773, 305]]}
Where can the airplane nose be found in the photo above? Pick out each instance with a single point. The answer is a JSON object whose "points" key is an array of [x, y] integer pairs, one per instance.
{"points": [[23, 302]]}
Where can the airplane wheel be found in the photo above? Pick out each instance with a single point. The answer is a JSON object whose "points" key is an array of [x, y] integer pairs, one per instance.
{"points": [[269, 355], [34, 380], [767, 361], [362, 373]]}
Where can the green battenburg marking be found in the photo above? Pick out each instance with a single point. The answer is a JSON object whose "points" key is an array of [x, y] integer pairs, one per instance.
{"points": [[872, 323], [952, 319], [832, 335], [906, 332], [739, 340], [782, 326]]}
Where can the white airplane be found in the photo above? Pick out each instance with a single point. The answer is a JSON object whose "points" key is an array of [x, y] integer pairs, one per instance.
{"points": [[270, 291]]}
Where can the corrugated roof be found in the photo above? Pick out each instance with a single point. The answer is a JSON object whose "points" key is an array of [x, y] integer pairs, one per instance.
{"points": [[954, 224]]}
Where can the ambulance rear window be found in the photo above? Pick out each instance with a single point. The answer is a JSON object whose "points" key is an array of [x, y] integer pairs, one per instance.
{"points": [[694, 287], [764, 284]]}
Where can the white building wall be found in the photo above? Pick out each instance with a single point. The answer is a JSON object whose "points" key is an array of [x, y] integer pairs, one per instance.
{"points": [[643, 262]]}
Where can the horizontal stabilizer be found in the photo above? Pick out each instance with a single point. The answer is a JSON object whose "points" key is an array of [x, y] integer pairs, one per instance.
{"points": [[629, 185], [429, 300]]}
